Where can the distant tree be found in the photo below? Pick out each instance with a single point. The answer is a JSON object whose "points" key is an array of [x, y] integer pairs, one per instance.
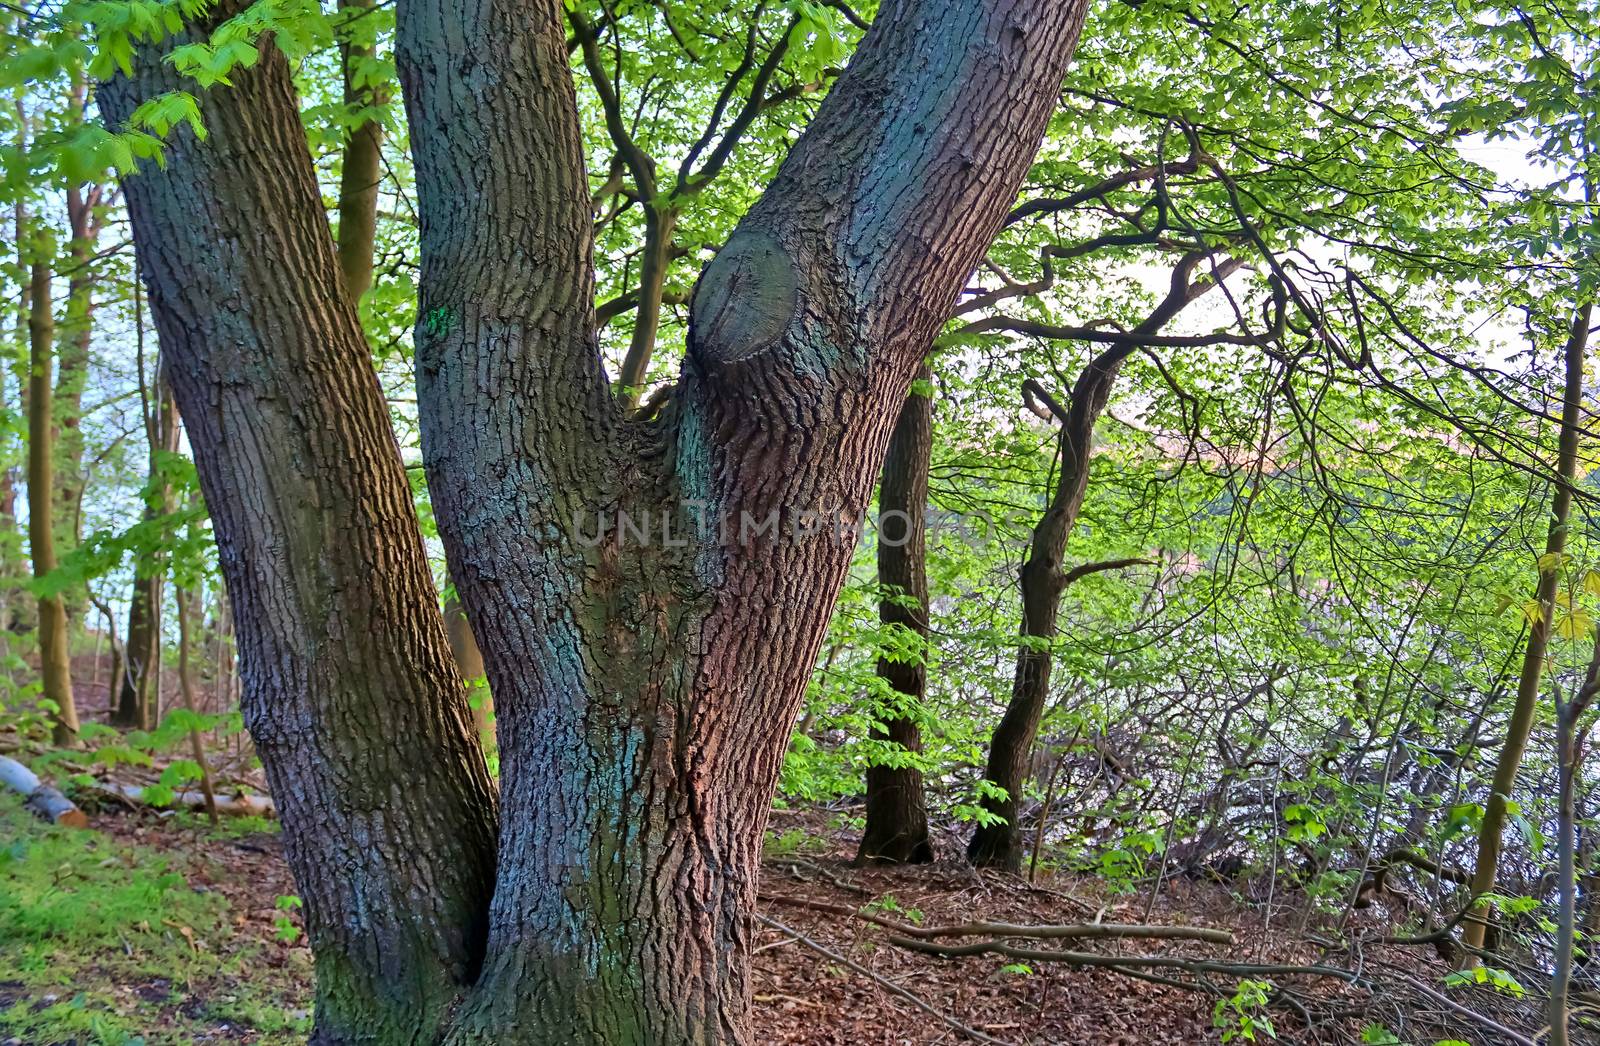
{"points": [[896, 830], [55, 666], [1045, 576]]}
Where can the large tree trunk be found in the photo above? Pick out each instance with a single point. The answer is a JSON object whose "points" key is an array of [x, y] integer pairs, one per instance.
{"points": [[55, 666], [646, 680], [1551, 570], [897, 816], [998, 844], [645, 691], [349, 690]]}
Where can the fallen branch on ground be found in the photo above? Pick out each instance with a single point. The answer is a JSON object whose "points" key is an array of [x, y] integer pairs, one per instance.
{"points": [[1076, 931], [1486, 1021], [40, 798], [237, 805], [1176, 962]]}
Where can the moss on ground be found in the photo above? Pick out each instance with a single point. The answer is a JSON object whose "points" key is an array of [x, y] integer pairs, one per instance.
{"points": [[109, 943]]}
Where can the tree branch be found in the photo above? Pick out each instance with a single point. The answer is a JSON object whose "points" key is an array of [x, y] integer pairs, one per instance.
{"points": [[1083, 570]]}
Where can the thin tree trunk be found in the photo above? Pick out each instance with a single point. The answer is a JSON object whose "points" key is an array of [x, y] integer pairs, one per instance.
{"points": [[1570, 742], [361, 172], [659, 223], [1567, 746], [1550, 571], [897, 817], [197, 746], [349, 689], [72, 373], [138, 687], [55, 666], [19, 610], [469, 660], [222, 685], [998, 844], [116, 650], [75, 335]]}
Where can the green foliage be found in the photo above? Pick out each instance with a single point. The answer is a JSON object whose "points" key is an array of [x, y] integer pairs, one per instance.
{"points": [[1242, 1015], [284, 927], [789, 842], [1498, 979], [889, 904]]}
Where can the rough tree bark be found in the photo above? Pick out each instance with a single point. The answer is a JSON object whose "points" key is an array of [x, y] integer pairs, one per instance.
{"points": [[55, 667], [349, 690], [1043, 578], [646, 677], [360, 175], [897, 817], [1533, 655]]}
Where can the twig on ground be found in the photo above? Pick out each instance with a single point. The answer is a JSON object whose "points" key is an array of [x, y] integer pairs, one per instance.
{"points": [[1464, 1011], [1177, 962], [882, 982]]}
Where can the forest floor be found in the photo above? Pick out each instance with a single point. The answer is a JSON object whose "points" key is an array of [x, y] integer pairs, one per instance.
{"points": [[158, 928]]}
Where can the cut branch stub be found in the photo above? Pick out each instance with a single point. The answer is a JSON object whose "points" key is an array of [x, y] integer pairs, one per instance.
{"points": [[745, 299]]}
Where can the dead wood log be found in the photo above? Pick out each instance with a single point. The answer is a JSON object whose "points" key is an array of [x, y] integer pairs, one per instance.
{"points": [[39, 798], [236, 805]]}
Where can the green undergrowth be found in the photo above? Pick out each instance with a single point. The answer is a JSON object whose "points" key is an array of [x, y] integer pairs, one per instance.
{"points": [[107, 943]]}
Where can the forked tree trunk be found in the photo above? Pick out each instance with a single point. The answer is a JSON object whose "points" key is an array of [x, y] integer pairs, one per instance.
{"points": [[998, 844], [1551, 570], [55, 667], [136, 668], [646, 679], [897, 816], [360, 175]]}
